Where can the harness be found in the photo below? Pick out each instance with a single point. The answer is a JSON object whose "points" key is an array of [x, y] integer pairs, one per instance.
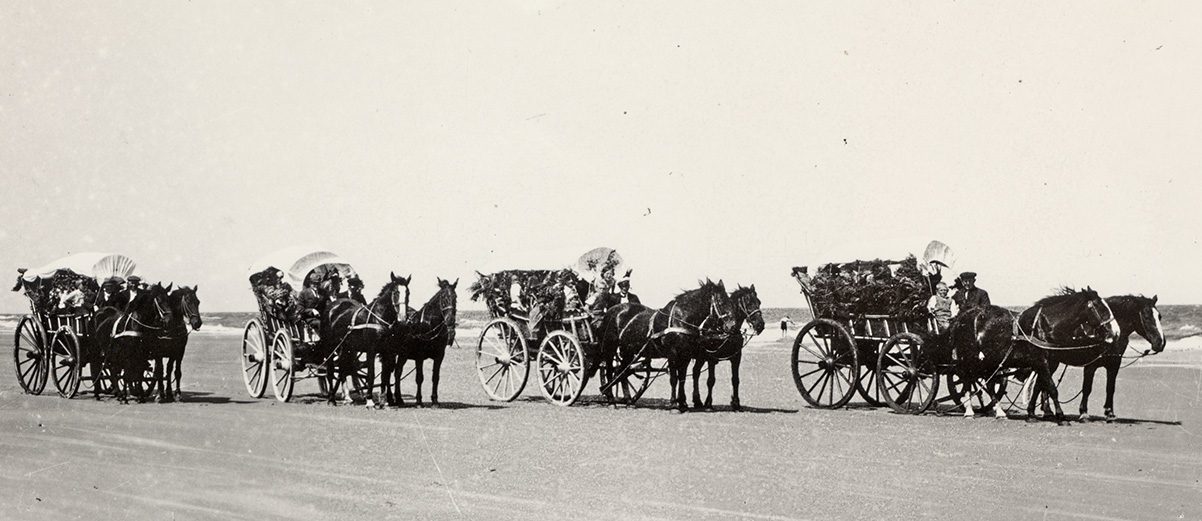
{"points": [[1037, 329]]}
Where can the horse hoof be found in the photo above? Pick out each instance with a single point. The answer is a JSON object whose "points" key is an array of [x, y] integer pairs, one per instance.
{"points": [[1064, 423], [370, 404], [1084, 418], [1110, 418], [1032, 419]]}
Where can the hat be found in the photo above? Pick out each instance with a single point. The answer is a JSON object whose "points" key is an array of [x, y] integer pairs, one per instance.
{"points": [[354, 282], [134, 279], [968, 276], [111, 281]]}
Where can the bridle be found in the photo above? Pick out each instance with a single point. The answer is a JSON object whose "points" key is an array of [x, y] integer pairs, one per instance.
{"points": [[444, 323]]}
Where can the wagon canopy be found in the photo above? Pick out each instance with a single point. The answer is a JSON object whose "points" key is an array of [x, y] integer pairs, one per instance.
{"points": [[296, 263], [99, 266]]}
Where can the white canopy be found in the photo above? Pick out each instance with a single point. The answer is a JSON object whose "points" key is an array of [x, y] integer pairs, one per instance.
{"points": [[296, 263], [98, 265]]}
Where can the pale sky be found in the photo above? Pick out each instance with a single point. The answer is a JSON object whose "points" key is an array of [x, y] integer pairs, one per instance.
{"points": [[1047, 143]]}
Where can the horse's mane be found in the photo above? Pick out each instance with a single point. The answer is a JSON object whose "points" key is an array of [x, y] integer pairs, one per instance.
{"points": [[1064, 293], [739, 292], [386, 287]]}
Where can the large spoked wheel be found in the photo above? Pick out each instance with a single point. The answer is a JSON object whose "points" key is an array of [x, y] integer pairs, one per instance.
{"points": [[561, 368], [907, 380], [825, 364], [866, 385], [980, 394], [282, 366], [66, 362], [29, 355], [255, 358], [633, 381], [502, 362]]}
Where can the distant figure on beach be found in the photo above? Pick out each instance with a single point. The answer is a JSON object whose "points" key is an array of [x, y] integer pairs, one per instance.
{"points": [[784, 327], [942, 307], [970, 296]]}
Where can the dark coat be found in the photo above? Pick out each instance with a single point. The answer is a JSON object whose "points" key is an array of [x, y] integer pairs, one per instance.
{"points": [[972, 298]]}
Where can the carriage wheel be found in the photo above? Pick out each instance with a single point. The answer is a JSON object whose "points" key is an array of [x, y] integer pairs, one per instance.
{"points": [[502, 362], [29, 355], [825, 364], [905, 377], [254, 358], [282, 366], [985, 394], [636, 380], [866, 385], [561, 368], [66, 362]]}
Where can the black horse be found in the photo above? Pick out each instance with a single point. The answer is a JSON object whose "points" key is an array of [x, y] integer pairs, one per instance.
{"points": [[1133, 314], [675, 332], [424, 336], [747, 310], [171, 343], [351, 329], [988, 339], [126, 340]]}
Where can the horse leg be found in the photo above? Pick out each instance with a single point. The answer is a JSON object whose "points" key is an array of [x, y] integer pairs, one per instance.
{"points": [[179, 372], [735, 361], [1112, 374], [711, 368], [386, 363], [436, 367], [1048, 385], [1086, 387], [419, 377], [371, 374], [400, 371], [697, 364], [682, 370]]}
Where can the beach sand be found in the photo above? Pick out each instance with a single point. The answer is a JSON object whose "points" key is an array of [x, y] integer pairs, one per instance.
{"points": [[222, 455]]}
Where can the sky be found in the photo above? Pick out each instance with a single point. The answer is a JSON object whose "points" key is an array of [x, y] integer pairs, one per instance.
{"points": [[1047, 144]]}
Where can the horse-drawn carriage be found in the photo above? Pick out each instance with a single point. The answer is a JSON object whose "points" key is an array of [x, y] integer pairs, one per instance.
{"points": [[540, 317], [59, 337], [279, 344], [872, 334]]}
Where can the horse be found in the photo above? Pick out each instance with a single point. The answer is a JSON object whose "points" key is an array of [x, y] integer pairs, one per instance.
{"points": [[185, 312], [1056, 328], [122, 336], [424, 336], [1133, 314], [350, 328], [747, 309], [631, 331]]}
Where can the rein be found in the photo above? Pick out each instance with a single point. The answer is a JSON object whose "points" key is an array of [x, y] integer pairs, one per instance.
{"points": [[1032, 339]]}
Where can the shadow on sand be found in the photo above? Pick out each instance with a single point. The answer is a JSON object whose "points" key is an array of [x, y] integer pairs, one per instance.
{"points": [[201, 397]]}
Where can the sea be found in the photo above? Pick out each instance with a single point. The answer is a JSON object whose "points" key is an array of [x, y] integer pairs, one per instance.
{"points": [[1178, 321]]}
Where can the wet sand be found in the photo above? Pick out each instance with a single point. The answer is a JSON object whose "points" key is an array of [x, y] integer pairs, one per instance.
{"points": [[222, 455]]}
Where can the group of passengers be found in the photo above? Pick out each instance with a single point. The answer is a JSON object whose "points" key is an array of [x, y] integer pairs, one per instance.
{"points": [[321, 287], [69, 294], [943, 307]]}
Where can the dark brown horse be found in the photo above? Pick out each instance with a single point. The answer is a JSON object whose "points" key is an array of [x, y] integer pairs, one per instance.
{"points": [[126, 339], [747, 311], [988, 339], [172, 342], [424, 336], [676, 332], [350, 331], [1133, 314]]}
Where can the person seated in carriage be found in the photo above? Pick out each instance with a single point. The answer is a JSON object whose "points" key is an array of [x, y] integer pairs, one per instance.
{"points": [[942, 307], [311, 302], [109, 295], [72, 302], [354, 290], [133, 287], [624, 295]]}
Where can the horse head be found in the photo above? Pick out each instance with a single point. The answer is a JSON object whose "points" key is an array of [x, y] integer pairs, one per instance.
{"points": [[443, 304], [747, 307], [710, 308], [185, 302], [1139, 314], [392, 303], [153, 304]]}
